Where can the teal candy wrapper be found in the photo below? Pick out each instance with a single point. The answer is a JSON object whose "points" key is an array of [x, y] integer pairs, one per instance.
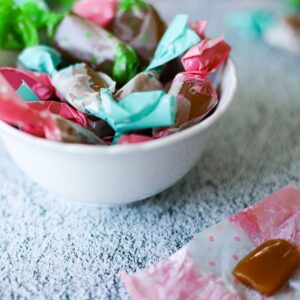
{"points": [[40, 59], [137, 111], [251, 24], [177, 39], [26, 93]]}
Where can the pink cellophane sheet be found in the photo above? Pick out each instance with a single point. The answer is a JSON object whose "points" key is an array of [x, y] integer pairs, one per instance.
{"points": [[100, 12], [206, 56], [40, 83], [16, 112], [199, 27], [202, 270], [61, 109]]}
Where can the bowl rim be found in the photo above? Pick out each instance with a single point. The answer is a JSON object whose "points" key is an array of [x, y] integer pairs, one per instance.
{"points": [[129, 148]]}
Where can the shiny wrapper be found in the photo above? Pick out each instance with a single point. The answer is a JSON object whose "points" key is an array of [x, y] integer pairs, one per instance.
{"points": [[139, 25], [80, 40], [177, 39], [196, 100], [40, 83], [203, 268], [145, 81], [207, 56], [198, 91], [16, 112], [80, 86], [100, 12]]}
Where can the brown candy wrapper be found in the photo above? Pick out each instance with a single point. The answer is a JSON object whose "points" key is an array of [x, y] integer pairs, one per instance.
{"points": [[141, 27], [199, 91], [196, 99]]}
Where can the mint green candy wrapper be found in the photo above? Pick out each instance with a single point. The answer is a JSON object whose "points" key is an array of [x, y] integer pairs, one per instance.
{"points": [[177, 39], [137, 111], [26, 93], [126, 64], [40, 59]]}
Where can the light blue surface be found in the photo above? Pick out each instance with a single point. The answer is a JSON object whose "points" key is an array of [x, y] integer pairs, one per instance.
{"points": [[54, 250]]}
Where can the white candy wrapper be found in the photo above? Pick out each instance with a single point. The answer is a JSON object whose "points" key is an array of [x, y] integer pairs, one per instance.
{"points": [[80, 86], [202, 270]]}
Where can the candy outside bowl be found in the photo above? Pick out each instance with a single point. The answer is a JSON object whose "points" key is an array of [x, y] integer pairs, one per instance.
{"points": [[119, 174]]}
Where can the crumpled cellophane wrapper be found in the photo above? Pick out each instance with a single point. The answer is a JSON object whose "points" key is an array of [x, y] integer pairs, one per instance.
{"points": [[207, 56], [202, 270], [40, 83], [80, 86], [16, 112]]}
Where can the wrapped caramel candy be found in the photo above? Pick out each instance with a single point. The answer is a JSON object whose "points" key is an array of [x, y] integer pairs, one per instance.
{"points": [[198, 91], [80, 86], [145, 81], [72, 133], [80, 40], [39, 122], [138, 24]]}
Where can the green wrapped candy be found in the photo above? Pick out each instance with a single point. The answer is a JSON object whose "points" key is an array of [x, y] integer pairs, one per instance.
{"points": [[20, 22], [295, 3]]}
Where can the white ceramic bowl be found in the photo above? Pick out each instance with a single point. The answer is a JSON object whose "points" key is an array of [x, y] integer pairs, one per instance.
{"points": [[119, 174]]}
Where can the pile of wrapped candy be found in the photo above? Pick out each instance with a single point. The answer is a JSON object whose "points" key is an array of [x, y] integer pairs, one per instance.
{"points": [[108, 72]]}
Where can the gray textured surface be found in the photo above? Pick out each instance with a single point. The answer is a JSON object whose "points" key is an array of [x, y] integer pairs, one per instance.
{"points": [[54, 250]]}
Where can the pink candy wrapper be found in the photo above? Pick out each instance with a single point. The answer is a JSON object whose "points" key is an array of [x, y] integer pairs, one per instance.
{"points": [[133, 139], [61, 109], [199, 27], [14, 111], [40, 123], [100, 12], [207, 56], [40, 83], [202, 270]]}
